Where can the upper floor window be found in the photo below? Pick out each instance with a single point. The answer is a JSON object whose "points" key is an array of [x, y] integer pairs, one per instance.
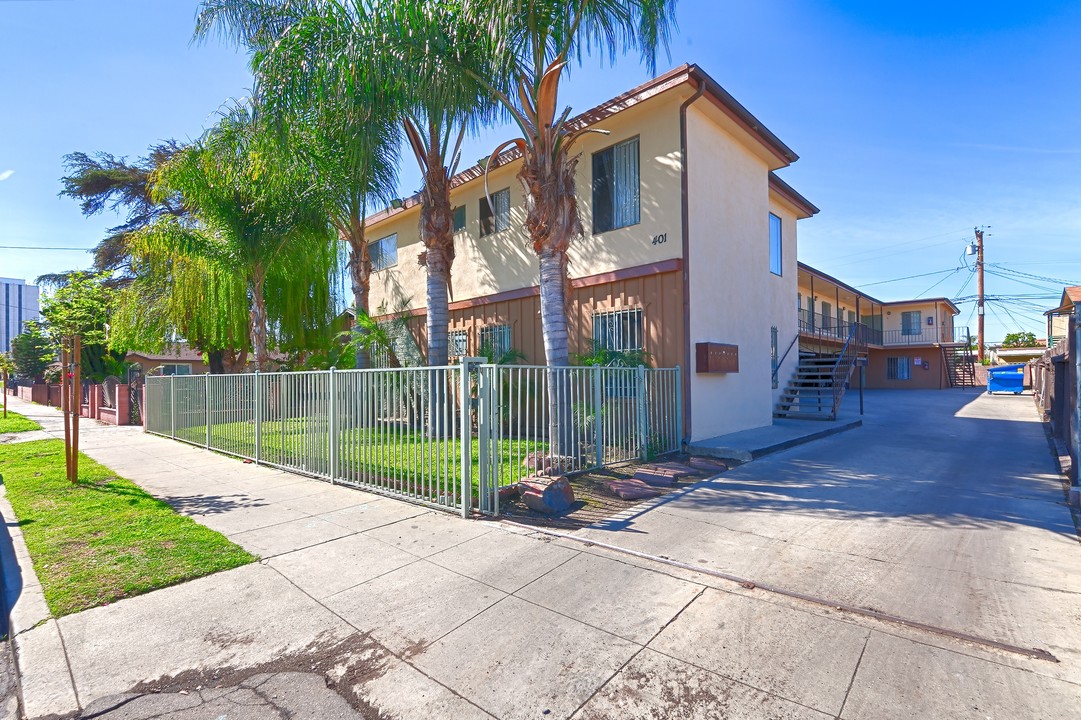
{"points": [[618, 330], [774, 244], [616, 187], [496, 216], [384, 252], [495, 341], [459, 218]]}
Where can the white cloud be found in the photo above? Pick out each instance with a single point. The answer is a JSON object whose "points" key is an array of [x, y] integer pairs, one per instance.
{"points": [[5, 174]]}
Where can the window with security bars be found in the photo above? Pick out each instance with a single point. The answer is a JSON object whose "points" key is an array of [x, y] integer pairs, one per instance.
{"points": [[618, 330], [495, 341], [384, 252], [898, 368], [458, 343], [495, 217], [616, 187]]}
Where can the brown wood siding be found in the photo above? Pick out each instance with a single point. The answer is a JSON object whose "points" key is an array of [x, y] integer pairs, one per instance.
{"points": [[660, 296]]}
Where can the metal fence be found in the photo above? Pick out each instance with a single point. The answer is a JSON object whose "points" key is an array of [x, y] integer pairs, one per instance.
{"points": [[1056, 384], [438, 436]]}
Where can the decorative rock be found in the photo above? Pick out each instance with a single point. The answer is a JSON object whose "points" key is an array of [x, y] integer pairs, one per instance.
{"points": [[547, 495], [508, 491], [704, 464], [632, 489], [681, 470], [659, 475], [537, 461]]}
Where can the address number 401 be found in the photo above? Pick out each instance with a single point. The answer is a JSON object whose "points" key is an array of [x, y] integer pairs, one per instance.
{"points": [[660, 239]]}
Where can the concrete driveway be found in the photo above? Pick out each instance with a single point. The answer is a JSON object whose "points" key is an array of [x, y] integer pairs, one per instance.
{"points": [[944, 509]]}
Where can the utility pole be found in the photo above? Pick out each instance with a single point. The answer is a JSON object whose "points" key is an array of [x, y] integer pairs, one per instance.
{"points": [[979, 293]]}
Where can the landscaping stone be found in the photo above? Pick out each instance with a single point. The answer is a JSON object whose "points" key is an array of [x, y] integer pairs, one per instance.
{"points": [[548, 495], [507, 492], [660, 476], [704, 464], [537, 461], [632, 489]]}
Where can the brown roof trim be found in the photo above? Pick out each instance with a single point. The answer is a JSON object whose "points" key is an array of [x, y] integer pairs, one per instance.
{"points": [[789, 193], [657, 268], [925, 300], [684, 74], [835, 281]]}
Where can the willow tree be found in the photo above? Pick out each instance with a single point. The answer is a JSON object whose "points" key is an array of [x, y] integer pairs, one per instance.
{"points": [[331, 59], [259, 219]]}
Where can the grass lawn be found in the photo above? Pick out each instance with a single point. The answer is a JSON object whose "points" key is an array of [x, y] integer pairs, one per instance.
{"points": [[15, 422], [103, 538], [405, 458]]}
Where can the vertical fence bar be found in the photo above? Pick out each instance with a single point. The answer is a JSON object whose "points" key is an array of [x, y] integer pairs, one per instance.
{"points": [[678, 391], [258, 418], [172, 406], [643, 419], [598, 429], [466, 434], [332, 425], [206, 406]]}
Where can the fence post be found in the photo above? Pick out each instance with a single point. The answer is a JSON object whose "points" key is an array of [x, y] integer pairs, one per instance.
{"points": [[172, 406], [206, 406], [332, 425], [258, 418], [643, 419], [598, 424], [679, 408], [1075, 431], [465, 431]]}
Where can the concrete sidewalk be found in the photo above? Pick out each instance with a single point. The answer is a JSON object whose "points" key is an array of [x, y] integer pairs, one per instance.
{"points": [[410, 613]]}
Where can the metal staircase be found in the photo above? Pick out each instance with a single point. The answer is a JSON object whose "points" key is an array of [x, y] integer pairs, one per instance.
{"points": [[818, 385], [960, 366]]}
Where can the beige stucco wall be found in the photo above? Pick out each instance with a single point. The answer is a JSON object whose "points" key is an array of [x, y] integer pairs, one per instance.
{"points": [[942, 330], [505, 261], [734, 297]]}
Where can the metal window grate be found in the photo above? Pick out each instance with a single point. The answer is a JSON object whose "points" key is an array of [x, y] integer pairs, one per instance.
{"points": [[618, 330], [458, 343], [495, 341]]}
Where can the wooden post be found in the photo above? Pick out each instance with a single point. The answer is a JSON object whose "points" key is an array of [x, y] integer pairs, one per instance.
{"points": [[77, 384], [65, 356]]}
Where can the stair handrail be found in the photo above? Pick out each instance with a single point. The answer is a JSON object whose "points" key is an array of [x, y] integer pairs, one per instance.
{"points": [[777, 367], [843, 368]]}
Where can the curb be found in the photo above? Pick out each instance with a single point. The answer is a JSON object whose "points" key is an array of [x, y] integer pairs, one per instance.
{"points": [[45, 684], [744, 456]]}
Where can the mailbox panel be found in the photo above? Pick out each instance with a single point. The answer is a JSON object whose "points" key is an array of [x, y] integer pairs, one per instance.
{"points": [[712, 357]]}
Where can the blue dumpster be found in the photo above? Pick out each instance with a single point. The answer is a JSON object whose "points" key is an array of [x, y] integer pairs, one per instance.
{"points": [[1006, 378]]}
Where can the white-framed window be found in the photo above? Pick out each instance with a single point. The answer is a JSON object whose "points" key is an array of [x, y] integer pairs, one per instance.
{"points": [[458, 343], [495, 217], [775, 245], [495, 341], [384, 252], [618, 330], [912, 323], [176, 369], [616, 187], [899, 368]]}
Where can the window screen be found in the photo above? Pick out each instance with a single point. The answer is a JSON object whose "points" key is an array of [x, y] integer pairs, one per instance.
{"points": [[495, 217], [384, 252], [616, 187]]}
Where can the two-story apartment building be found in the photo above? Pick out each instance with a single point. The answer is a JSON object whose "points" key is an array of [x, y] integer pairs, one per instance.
{"points": [[909, 344], [689, 238], [1058, 319]]}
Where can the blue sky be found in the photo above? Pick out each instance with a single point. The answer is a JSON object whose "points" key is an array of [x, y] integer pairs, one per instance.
{"points": [[914, 122]]}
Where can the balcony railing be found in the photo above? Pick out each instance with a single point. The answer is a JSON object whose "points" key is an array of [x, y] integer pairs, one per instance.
{"points": [[828, 327], [925, 335]]}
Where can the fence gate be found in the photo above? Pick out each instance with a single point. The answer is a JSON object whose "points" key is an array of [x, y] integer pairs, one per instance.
{"points": [[135, 395], [558, 420]]}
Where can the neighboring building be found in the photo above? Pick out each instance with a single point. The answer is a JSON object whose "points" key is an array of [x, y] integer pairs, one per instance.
{"points": [[181, 360], [689, 238], [1058, 319], [1001, 355], [19, 303], [908, 343]]}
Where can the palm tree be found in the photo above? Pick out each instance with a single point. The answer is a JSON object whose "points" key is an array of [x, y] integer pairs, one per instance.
{"points": [[334, 54], [533, 41], [257, 219]]}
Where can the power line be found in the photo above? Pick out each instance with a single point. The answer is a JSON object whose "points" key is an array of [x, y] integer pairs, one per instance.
{"points": [[939, 282], [37, 247], [908, 277]]}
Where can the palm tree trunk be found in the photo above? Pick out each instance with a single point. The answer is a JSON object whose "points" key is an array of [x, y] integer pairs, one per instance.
{"points": [[437, 234], [259, 322], [360, 273]]}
